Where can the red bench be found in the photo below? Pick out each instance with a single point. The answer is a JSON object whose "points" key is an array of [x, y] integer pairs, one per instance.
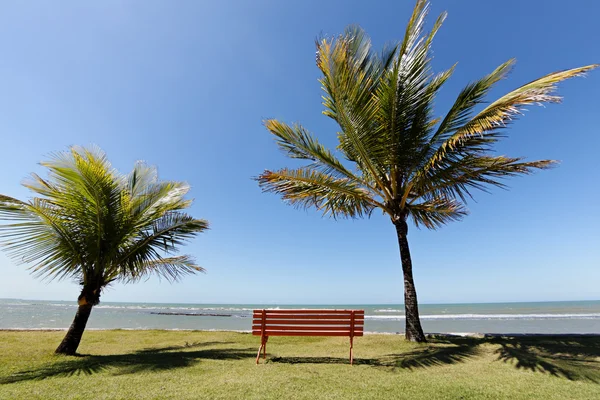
{"points": [[267, 323]]}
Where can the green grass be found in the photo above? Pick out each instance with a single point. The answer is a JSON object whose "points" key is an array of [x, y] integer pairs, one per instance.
{"points": [[220, 365]]}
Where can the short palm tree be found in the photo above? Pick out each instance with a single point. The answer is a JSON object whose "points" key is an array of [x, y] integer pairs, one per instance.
{"points": [[396, 156], [94, 225]]}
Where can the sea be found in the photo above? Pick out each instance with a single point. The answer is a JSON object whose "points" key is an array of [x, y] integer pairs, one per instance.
{"points": [[543, 317]]}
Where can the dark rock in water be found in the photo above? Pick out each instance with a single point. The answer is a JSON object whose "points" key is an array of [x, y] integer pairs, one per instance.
{"points": [[191, 314]]}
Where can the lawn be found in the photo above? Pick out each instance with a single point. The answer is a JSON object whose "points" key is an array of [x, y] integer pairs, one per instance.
{"points": [[220, 365]]}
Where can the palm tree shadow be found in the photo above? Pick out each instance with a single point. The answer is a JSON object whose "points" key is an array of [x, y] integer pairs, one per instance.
{"points": [[152, 359], [447, 351], [574, 357], [440, 351]]}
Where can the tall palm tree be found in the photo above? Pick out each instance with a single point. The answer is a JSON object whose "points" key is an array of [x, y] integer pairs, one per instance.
{"points": [[396, 156], [94, 225]]}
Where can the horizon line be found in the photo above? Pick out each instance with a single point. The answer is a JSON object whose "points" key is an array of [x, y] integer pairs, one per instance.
{"points": [[317, 304]]}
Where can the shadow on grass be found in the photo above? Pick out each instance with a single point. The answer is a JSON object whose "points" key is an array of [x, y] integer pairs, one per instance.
{"points": [[152, 359], [575, 357], [439, 351]]}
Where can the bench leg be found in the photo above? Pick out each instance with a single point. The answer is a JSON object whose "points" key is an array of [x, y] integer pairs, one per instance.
{"points": [[351, 346], [259, 350], [265, 348], [262, 348]]}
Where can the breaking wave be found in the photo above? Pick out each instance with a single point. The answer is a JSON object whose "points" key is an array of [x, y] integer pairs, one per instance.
{"points": [[489, 316]]}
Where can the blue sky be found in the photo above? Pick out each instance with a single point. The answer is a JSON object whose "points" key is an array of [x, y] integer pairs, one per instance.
{"points": [[185, 85]]}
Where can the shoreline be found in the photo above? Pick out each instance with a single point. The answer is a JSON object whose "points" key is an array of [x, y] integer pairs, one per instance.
{"points": [[478, 335]]}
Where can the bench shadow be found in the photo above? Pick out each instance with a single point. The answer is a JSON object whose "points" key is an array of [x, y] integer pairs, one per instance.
{"points": [[151, 359], [574, 357], [439, 351]]}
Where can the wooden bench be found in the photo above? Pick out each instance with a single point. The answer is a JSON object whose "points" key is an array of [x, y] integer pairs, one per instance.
{"points": [[267, 323]]}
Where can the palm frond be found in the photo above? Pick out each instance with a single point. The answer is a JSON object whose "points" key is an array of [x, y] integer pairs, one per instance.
{"points": [[156, 200], [472, 95], [436, 212], [296, 142], [171, 269], [310, 188], [142, 179], [414, 27], [351, 72], [458, 178], [39, 234], [162, 235], [459, 135], [90, 222], [506, 109], [405, 97]]}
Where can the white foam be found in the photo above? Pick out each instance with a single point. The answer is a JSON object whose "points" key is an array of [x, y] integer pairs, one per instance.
{"points": [[489, 316], [230, 309]]}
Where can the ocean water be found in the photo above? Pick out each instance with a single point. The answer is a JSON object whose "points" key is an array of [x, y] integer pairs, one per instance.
{"points": [[545, 317]]}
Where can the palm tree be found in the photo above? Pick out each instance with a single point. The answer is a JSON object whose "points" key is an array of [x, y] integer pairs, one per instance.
{"points": [[94, 225], [396, 156]]}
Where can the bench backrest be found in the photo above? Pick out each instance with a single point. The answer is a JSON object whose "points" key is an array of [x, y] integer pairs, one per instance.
{"points": [[308, 322]]}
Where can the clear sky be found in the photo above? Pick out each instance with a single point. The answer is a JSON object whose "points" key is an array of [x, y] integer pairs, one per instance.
{"points": [[185, 85]]}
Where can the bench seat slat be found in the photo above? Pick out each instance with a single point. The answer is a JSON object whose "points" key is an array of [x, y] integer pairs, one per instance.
{"points": [[307, 333], [309, 316], [308, 312], [257, 328], [304, 322], [322, 311], [291, 312]]}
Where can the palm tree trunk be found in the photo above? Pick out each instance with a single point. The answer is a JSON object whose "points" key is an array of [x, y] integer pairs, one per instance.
{"points": [[414, 331], [71, 341]]}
